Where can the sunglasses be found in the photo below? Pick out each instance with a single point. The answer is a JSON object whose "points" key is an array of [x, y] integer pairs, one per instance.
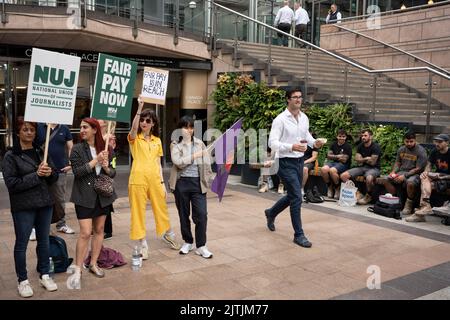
{"points": [[146, 120]]}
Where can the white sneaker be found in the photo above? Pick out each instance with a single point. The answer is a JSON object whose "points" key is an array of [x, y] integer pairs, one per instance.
{"points": [[33, 235], [204, 252], [25, 289], [65, 229], [186, 247], [169, 238], [48, 283], [144, 253]]}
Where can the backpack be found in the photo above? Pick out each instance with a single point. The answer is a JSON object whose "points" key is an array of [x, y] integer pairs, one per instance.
{"points": [[390, 210], [58, 252]]}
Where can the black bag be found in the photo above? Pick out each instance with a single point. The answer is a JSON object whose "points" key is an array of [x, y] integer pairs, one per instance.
{"points": [[386, 209], [59, 254], [104, 185]]}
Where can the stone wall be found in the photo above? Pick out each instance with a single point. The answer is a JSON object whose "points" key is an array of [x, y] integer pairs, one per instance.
{"points": [[424, 33]]}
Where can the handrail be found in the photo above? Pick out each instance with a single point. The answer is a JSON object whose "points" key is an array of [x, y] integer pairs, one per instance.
{"points": [[393, 47], [356, 65]]}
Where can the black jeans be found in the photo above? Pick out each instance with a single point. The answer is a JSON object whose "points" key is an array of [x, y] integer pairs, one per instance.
{"points": [[291, 172], [23, 223], [286, 27], [188, 191]]}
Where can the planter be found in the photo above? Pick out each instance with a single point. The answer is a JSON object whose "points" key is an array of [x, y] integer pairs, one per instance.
{"points": [[249, 175]]}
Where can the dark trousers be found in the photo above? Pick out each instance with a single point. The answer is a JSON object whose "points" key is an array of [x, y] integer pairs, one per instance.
{"points": [[291, 172], [285, 27], [300, 32], [58, 191], [188, 192], [23, 223]]}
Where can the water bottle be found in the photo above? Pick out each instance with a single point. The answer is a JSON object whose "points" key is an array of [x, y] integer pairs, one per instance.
{"points": [[136, 259], [51, 271]]}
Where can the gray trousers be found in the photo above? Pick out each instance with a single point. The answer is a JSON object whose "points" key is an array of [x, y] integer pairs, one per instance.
{"points": [[58, 191]]}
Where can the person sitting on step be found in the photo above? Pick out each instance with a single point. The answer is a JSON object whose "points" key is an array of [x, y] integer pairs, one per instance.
{"points": [[409, 164], [438, 180], [368, 154], [310, 158], [340, 156]]}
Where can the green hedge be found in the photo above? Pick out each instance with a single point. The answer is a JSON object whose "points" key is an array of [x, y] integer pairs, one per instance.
{"points": [[239, 96]]}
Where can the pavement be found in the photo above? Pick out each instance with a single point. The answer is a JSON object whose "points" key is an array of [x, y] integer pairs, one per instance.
{"points": [[355, 255]]}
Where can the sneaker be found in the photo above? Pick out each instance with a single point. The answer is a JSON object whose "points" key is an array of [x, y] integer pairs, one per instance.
{"points": [[25, 290], [144, 253], [33, 235], [415, 218], [65, 229], [337, 192], [48, 283], [425, 209], [366, 200], [186, 247], [204, 252], [359, 195], [169, 238], [303, 242], [107, 236], [264, 187], [281, 188], [330, 192]]}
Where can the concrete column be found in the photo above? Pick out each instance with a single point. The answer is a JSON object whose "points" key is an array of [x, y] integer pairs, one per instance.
{"points": [[252, 13]]}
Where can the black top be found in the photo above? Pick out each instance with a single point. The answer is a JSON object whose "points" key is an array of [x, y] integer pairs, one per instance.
{"points": [[343, 149], [373, 149], [308, 152], [27, 191], [440, 161]]}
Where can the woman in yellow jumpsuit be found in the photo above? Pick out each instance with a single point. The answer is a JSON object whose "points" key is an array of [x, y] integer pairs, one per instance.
{"points": [[146, 180]]}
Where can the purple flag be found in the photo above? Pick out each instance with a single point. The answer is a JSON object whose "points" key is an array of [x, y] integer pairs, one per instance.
{"points": [[224, 148]]}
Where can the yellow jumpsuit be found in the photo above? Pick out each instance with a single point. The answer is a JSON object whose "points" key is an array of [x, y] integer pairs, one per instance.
{"points": [[145, 184]]}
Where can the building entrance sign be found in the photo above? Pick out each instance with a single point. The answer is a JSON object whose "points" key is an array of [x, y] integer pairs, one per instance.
{"points": [[52, 87], [114, 86]]}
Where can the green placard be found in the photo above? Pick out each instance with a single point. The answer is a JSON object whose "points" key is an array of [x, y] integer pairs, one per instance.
{"points": [[114, 88]]}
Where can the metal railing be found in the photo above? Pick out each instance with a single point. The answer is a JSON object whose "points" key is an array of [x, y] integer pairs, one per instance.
{"points": [[442, 73], [432, 65]]}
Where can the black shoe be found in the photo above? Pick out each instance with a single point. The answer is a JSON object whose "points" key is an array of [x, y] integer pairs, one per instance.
{"points": [[302, 241], [309, 197], [317, 194], [107, 236], [270, 221]]}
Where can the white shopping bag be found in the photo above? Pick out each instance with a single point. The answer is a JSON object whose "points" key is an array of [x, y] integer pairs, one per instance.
{"points": [[347, 198]]}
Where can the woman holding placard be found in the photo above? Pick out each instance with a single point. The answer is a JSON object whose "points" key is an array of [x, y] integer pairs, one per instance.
{"points": [[90, 160], [27, 178], [146, 180]]}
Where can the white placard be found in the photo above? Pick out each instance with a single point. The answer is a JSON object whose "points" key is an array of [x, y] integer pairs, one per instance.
{"points": [[154, 85], [52, 87]]}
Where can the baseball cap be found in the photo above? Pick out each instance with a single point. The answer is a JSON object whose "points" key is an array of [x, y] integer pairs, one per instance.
{"points": [[442, 137]]}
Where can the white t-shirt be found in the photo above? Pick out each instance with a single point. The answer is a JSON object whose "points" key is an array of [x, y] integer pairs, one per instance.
{"points": [[98, 166]]}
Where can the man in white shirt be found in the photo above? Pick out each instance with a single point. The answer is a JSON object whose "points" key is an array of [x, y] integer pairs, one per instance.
{"points": [[301, 22], [333, 16], [283, 21], [289, 138]]}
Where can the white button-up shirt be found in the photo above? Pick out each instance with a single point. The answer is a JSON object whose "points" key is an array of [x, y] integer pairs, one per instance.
{"points": [[284, 15], [301, 16], [286, 131]]}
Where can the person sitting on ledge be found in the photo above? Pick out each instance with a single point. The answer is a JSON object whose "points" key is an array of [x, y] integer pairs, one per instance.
{"points": [[368, 154], [409, 164], [340, 159], [433, 181]]}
